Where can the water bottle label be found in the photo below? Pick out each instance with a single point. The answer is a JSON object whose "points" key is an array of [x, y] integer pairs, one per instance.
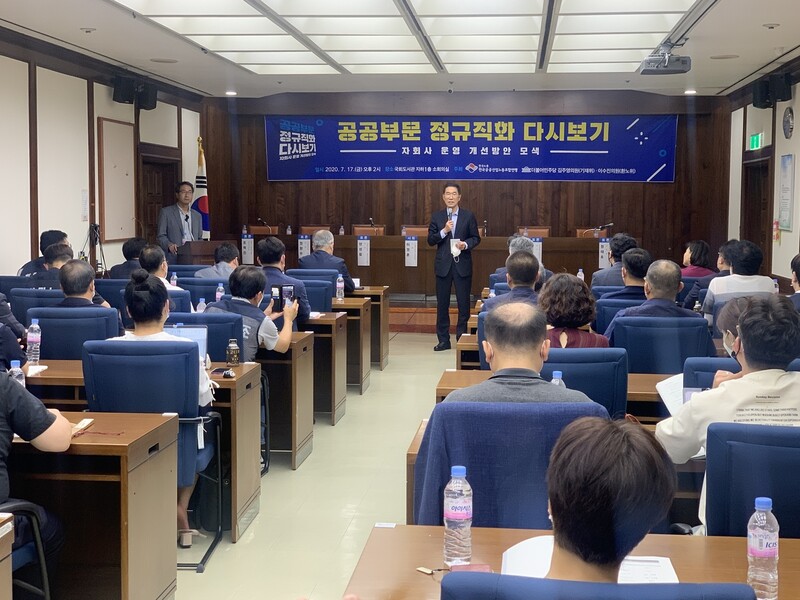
{"points": [[762, 544], [458, 508], [34, 338]]}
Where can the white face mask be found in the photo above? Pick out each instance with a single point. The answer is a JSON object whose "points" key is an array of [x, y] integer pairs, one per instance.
{"points": [[455, 250]]}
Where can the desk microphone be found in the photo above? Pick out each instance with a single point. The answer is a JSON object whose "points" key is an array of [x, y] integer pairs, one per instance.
{"points": [[485, 228], [372, 223], [260, 220]]}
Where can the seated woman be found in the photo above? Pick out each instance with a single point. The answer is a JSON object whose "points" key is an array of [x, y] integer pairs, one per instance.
{"points": [[570, 307], [697, 261], [608, 484], [147, 302]]}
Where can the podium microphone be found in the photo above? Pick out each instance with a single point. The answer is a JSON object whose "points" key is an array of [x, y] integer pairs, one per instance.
{"points": [[260, 220], [485, 228], [372, 223]]}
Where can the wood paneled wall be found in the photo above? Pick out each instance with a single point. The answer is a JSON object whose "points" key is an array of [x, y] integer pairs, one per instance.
{"points": [[662, 216]]}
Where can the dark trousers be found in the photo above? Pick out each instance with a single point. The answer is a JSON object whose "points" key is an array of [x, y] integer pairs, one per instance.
{"points": [[463, 286]]}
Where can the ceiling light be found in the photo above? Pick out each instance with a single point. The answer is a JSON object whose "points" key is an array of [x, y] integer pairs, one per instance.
{"points": [[231, 93], [690, 92], [164, 61], [724, 56]]}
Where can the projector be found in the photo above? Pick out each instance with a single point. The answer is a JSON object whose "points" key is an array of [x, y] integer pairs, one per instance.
{"points": [[665, 64]]}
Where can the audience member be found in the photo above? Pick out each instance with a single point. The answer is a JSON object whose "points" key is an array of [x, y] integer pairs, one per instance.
{"points": [[226, 259], [724, 255], [569, 307], [661, 285], [153, 260], [619, 244], [696, 260], [609, 483], [795, 266], [48, 238], [322, 258], [522, 271], [8, 319], [178, 224], [271, 254], [635, 263], [11, 350], [247, 284], [77, 282], [520, 243], [767, 340], [516, 347], [728, 319], [130, 250], [55, 256]]}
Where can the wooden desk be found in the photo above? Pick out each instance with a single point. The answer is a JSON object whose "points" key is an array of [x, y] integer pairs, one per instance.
{"points": [[379, 296], [411, 461], [6, 539], [467, 356], [359, 326], [387, 567], [330, 363], [115, 491], [291, 396], [472, 325], [643, 400]]}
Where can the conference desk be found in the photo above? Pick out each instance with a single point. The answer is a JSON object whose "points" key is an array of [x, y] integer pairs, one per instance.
{"points": [[6, 539], [238, 400], [115, 491], [379, 297], [387, 567], [330, 363], [359, 339]]}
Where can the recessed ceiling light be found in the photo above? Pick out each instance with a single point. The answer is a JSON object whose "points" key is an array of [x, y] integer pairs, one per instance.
{"points": [[231, 93], [164, 61], [724, 56], [88, 29], [690, 92], [771, 25]]}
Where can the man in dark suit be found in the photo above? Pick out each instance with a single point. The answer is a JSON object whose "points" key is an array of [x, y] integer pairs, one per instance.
{"points": [[522, 273], [635, 263], [272, 258], [454, 231], [131, 251], [77, 282], [178, 224], [322, 258], [612, 275]]}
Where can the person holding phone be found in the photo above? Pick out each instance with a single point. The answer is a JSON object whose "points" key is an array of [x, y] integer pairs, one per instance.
{"points": [[271, 254]]}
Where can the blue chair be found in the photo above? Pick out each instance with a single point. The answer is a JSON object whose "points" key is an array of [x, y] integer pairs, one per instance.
{"points": [[32, 552], [607, 310], [65, 329], [662, 344], [495, 278], [494, 586], [600, 373], [505, 447], [481, 337], [22, 299], [179, 301], [109, 289], [718, 306], [745, 461], [199, 287], [185, 270], [698, 372], [9, 282], [157, 377], [222, 327], [688, 284], [320, 295], [599, 290], [701, 296], [316, 274], [501, 288]]}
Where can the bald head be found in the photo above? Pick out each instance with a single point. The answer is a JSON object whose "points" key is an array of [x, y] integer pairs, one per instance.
{"points": [[663, 280], [515, 327]]}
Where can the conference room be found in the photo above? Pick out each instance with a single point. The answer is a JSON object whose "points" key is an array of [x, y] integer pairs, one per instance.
{"points": [[577, 120]]}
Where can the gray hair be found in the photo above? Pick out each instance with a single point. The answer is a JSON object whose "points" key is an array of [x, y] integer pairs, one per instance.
{"points": [[321, 238], [664, 277], [520, 244]]}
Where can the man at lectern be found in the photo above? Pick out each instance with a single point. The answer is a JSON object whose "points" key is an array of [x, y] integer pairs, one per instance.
{"points": [[454, 231], [178, 224]]}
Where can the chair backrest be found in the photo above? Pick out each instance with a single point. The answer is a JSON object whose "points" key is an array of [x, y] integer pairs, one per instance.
{"points": [[22, 299], [199, 287], [505, 447], [701, 296], [320, 294], [369, 230], [599, 290], [718, 306], [222, 327], [180, 300], [150, 377], [9, 282], [583, 231], [745, 461], [481, 337], [600, 373], [317, 274], [421, 231], [65, 329], [495, 278], [494, 586], [608, 308], [661, 344], [501, 288], [534, 230], [688, 284], [109, 289], [310, 229], [185, 270]]}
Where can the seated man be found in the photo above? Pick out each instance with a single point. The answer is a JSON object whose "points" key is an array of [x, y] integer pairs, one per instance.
{"points": [[322, 258], [131, 250], [763, 392], [516, 347], [55, 256], [48, 238], [247, 285], [226, 259], [723, 267], [519, 243], [609, 483], [612, 275], [744, 280], [522, 271], [77, 282], [272, 258], [635, 263], [661, 285], [153, 260]]}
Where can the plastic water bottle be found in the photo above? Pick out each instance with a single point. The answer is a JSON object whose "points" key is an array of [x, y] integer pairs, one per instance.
{"points": [[457, 518], [174, 279], [244, 229], [340, 287], [201, 306], [220, 292], [34, 342], [341, 229], [557, 380], [16, 373], [697, 307], [777, 287], [288, 230], [403, 231], [581, 276], [762, 551], [525, 233], [492, 293]]}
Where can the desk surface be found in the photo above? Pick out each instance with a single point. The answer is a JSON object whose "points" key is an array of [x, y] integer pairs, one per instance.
{"points": [[387, 567]]}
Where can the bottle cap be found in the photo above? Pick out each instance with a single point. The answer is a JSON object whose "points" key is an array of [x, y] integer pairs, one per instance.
{"points": [[202, 299], [763, 503], [557, 374], [220, 285], [34, 321], [458, 471], [15, 364]]}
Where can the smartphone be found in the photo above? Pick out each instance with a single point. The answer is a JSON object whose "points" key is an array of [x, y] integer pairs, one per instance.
{"points": [[276, 298], [219, 371], [287, 291]]}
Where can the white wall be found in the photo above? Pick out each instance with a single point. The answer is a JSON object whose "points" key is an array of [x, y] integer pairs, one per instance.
{"points": [[190, 129], [787, 247], [735, 185], [160, 125], [15, 161]]}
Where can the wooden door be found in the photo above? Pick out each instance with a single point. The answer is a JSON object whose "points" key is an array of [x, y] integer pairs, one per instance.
{"points": [[157, 191], [756, 223]]}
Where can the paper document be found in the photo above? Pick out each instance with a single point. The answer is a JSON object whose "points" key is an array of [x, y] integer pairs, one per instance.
{"points": [[671, 392], [34, 370]]}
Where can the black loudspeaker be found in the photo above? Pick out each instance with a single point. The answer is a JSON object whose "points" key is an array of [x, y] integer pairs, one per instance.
{"points": [[124, 90], [780, 87], [147, 96], [761, 96]]}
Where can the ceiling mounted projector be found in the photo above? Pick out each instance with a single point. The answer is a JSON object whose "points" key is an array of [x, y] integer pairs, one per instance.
{"points": [[665, 64]]}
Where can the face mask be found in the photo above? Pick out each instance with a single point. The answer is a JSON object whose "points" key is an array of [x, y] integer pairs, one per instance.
{"points": [[455, 251]]}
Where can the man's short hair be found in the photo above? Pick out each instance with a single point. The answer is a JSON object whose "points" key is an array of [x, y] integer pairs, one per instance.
{"points": [[50, 237], [664, 277], [636, 262], [57, 253], [515, 326], [225, 252], [726, 251], [183, 183], [321, 238], [620, 243], [770, 330], [75, 277], [519, 243], [270, 250], [246, 281], [795, 266], [151, 258], [609, 482], [523, 268], [132, 248], [746, 258], [451, 184]]}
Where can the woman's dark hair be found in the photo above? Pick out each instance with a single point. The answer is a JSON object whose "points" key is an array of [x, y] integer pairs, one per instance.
{"points": [[567, 301], [145, 296], [699, 254]]}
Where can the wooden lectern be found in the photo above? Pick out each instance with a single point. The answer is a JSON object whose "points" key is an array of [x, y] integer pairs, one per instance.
{"points": [[197, 253]]}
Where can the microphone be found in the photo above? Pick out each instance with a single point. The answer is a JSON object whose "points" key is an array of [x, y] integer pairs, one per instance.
{"points": [[485, 228], [260, 220], [449, 213], [371, 222], [607, 225]]}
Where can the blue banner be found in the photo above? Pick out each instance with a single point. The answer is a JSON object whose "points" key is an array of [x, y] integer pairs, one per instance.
{"points": [[578, 148]]}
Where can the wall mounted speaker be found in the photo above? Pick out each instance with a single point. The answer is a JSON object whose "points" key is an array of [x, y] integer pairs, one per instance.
{"points": [[124, 90], [780, 87], [147, 96], [761, 96]]}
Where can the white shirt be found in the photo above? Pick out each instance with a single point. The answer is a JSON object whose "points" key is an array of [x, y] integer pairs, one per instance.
{"points": [[186, 226], [722, 289]]}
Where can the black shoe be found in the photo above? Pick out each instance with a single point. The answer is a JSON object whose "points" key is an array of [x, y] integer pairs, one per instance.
{"points": [[441, 346]]}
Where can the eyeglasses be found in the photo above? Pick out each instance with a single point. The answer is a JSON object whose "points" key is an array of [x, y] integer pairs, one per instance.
{"points": [[451, 193]]}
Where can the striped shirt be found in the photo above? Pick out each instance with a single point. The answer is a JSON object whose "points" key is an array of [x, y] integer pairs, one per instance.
{"points": [[722, 289]]}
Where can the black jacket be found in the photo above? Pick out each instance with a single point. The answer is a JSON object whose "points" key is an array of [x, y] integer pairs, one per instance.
{"points": [[466, 231]]}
